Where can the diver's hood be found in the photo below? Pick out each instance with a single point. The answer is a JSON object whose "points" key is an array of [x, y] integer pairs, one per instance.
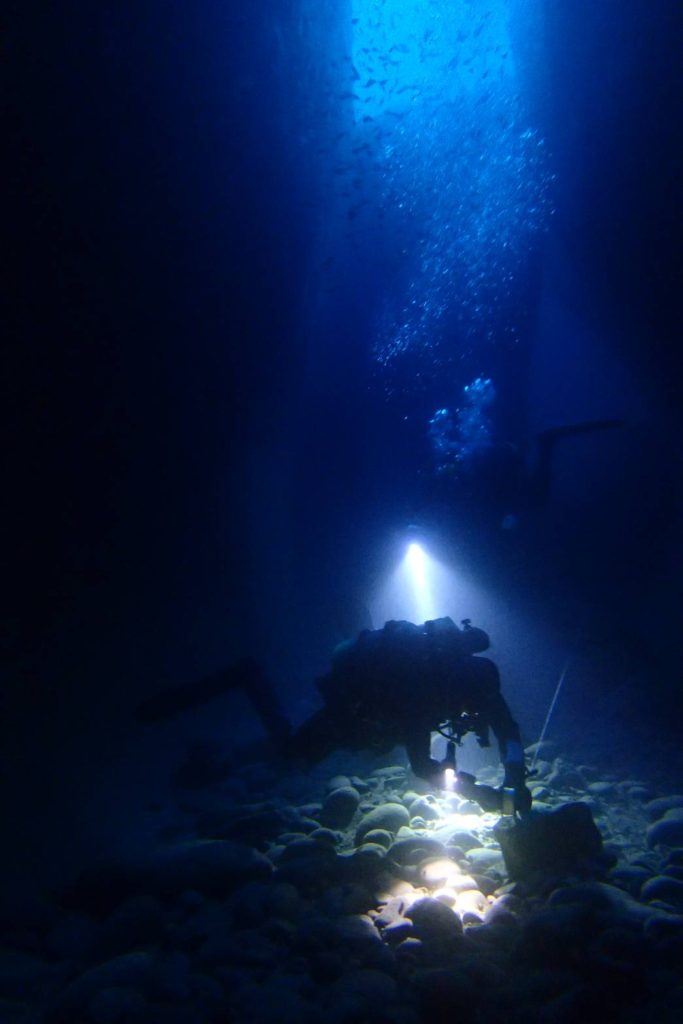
{"points": [[468, 640], [475, 640]]}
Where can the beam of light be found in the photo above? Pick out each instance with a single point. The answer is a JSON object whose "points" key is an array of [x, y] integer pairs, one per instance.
{"points": [[417, 568], [420, 588], [417, 578]]}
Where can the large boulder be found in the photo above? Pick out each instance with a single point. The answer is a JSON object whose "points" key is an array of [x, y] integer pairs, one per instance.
{"points": [[550, 843]]}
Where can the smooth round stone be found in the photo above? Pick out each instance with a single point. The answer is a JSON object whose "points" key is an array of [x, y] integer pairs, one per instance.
{"points": [[365, 985], [379, 835], [370, 851], [640, 793], [308, 825], [306, 849], [471, 901], [398, 930], [674, 857], [339, 807], [406, 832], [433, 920], [656, 808], [394, 771], [465, 840], [418, 823], [483, 858], [117, 1006], [290, 837], [410, 948], [338, 782], [325, 835], [311, 810], [503, 908], [469, 807], [487, 885], [666, 832], [446, 895], [413, 850], [664, 926], [213, 867], [630, 878], [424, 808], [387, 816], [662, 887], [601, 789], [356, 931]]}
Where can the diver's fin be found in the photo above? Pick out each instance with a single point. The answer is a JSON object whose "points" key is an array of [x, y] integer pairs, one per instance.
{"points": [[540, 481], [245, 675], [549, 437]]}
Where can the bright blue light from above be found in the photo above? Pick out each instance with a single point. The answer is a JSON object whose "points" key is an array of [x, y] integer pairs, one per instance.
{"points": [[442, 145], [412, 53]]}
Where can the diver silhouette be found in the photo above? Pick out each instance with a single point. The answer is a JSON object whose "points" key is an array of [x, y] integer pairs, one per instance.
{"points": [[500, 480], [391, 686], [538, 484]]}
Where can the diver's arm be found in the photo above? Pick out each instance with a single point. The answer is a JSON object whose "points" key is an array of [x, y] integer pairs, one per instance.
{"points": [[418, 744], [506, 731]]}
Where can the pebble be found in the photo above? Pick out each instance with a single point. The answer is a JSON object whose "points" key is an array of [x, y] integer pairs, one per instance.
{"points": [[601, 789], [665, 832], [336, 931], [465, 840], [379, 835], [212, 867], [433, 920], [415, 849], [424, 808], [338, 782], [663, 887], [656, 808], [325, 835], [483, 858], [471, 901], [117, 1005], [629, 877], [340, 807], [387, 816]]}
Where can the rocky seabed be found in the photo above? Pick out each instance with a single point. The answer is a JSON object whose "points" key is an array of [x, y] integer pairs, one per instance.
{"points": [[361, 897]]}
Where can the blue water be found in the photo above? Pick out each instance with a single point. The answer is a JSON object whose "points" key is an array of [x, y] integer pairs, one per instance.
{"points": [[258, 256]]}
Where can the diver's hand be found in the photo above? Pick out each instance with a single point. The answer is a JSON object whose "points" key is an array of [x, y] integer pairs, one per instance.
{"points": [[523, 800], [433, 773]]}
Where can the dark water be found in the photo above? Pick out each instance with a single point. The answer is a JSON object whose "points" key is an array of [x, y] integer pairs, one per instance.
{"points": [[253, 250]]}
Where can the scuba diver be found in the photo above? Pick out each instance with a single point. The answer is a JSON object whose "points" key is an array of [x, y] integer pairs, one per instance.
{"points": [[391, 686], [502, 478]]}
